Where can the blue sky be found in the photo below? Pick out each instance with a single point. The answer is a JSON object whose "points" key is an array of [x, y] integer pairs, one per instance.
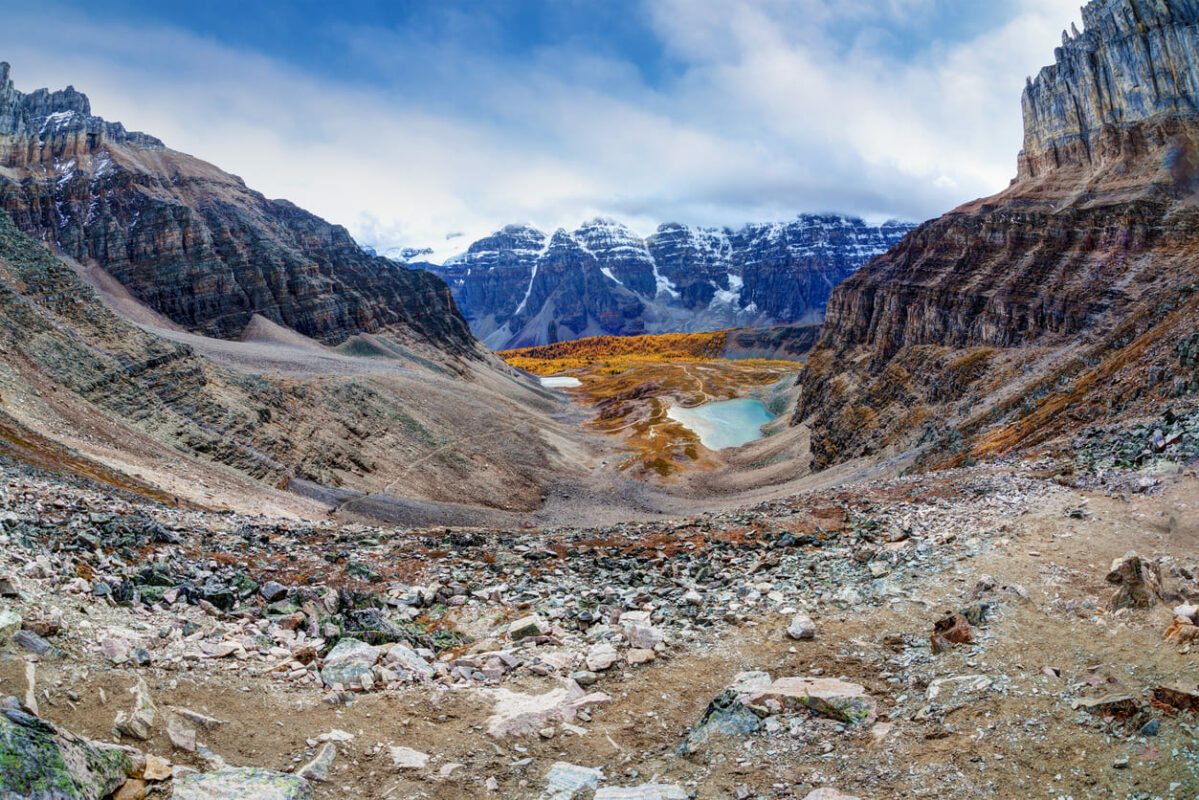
{"points": [[408, 121]]}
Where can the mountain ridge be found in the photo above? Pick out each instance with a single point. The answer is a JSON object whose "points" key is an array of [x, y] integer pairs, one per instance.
{"points": [[194, 242], [523, 287]]}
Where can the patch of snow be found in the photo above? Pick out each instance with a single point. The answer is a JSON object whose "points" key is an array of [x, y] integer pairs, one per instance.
{"points": [[67, 171], [524, 301], [56, 122], [608, 274], [662, 284]]}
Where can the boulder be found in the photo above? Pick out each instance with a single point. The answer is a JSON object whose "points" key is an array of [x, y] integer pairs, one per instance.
{"points": [[272, 592], [405, 658], [801, 628], [348, 662], [1139, 582], [138, 723], [10, 623], [564, 781], [528, 626], [182, 737], [248, 783], [642, 637], [826, 793], [827, 697], [318, 768], [601, 656], [526, 715], [41, 762], [407, 758], [726, 716]]}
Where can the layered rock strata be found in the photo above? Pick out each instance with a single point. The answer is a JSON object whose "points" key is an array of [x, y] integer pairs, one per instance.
{"points": [[985, 329], [193, 242]]}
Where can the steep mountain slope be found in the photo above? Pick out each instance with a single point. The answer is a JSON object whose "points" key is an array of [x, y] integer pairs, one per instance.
{"points": [[1068, 298], [193, 242], [520, 287], [225, 423]]}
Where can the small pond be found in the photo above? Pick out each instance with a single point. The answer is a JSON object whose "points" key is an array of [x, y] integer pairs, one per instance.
{"points": [[730, 423]]}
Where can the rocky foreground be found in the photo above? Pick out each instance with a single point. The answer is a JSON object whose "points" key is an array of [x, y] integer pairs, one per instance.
{"points": [[979, 633]]}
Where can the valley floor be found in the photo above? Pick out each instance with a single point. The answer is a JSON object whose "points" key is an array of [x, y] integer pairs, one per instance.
{"points": [[637, 627]]}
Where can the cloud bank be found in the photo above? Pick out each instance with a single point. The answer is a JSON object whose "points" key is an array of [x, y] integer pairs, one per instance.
{"points": [[768, 108]]}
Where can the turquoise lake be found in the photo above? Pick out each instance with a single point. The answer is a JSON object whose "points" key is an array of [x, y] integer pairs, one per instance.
{"points": [[730, 423]]}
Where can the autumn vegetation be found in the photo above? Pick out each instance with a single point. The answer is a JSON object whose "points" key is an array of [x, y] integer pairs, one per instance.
{"points": [[630, 382]]}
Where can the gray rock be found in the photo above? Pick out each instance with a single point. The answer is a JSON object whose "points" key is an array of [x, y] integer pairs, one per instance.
{"points": [[10, 623], [40, 762], [272, 591], [407, 758], [584, 677], [564, 781], [646, 791], [726, 716], [642, 637], [801, 628], [139, 722], [348, 662], [243, 784], [405, 658], [34, 643], [318, 768], [528, 626]]}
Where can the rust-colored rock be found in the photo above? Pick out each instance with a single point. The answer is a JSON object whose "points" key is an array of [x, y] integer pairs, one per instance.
{"points": [[951, 630], [1181, 630], [1178, 697]]}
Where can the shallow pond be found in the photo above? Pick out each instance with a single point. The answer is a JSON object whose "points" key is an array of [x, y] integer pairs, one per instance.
{"points": [[562, 382], [730, 423]]}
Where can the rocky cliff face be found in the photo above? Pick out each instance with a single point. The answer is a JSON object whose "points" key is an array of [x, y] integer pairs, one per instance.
{"points": [[980, 320], [195, 243], [520, 287], [1131, 65]]}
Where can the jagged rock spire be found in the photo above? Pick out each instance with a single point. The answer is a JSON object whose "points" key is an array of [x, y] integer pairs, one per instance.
{"points": [[1134, 61]]}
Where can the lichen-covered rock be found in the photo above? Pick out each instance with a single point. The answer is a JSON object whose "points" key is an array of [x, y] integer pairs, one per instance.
{"points": [[726, 716], [40, 762], [827, 697], [244, 784], [348, 662]]}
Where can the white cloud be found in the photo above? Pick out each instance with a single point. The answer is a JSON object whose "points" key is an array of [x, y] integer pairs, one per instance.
{"points": [[774, 111]]}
